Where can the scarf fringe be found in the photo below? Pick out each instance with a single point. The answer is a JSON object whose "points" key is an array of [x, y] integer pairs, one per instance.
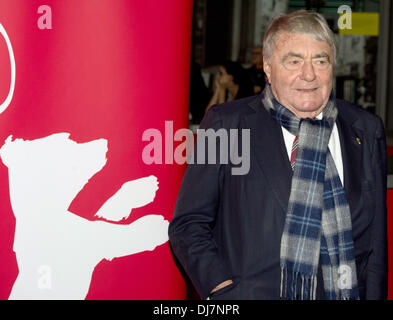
{"points": [[301, 287]]}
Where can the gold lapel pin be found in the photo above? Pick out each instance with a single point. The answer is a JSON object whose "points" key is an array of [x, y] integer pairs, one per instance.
{"points": [[358, 140]]}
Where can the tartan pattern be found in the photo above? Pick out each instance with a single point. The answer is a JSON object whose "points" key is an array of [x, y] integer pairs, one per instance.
{"points": [[318, 221]]}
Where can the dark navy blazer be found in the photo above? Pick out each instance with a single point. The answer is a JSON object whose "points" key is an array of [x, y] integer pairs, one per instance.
{"points": [[229, 226]]}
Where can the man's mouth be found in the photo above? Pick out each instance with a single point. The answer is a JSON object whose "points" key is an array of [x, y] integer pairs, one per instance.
{"points": [[307, 90]]}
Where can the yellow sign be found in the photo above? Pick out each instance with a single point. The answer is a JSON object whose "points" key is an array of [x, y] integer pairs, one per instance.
{"points": [[363, 23]]}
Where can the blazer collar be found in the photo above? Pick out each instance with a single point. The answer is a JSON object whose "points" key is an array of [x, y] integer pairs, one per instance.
{"points": [[351, 142], [267, 143]]}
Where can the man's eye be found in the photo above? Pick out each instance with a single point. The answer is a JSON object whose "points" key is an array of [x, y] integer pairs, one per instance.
{"points": [[293, 63], [321, 62]]}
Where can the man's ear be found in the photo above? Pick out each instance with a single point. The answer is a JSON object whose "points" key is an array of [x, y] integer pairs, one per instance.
{"points": [[267, 68]]}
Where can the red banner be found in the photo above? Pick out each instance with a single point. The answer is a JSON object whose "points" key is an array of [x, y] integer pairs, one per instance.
{"points": [[82, 215]]}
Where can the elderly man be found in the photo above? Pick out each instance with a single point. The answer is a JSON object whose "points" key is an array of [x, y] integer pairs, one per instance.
{"points": [[308, 221]]}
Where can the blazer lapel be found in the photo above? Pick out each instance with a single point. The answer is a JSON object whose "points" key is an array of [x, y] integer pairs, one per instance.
{"points": [[351, 138], [268, 145]]}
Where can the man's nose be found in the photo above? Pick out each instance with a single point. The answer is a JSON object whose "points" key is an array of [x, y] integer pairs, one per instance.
{"points": [[307, 71]]}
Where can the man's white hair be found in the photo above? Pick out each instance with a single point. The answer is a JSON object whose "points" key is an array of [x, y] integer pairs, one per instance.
{"points": [[302, 22]]}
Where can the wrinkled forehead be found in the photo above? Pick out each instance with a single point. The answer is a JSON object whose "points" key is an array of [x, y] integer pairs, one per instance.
{"points": [[300, 43]]}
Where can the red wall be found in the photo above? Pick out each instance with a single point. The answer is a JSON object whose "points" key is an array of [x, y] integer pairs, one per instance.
{"points": [[106, 70]]}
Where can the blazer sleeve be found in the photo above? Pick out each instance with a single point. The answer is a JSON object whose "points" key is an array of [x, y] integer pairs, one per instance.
{"points": [[377, 270], [190, 230]]}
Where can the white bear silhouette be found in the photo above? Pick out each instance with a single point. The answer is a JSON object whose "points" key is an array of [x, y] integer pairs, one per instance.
{"points": [[57, 250]]}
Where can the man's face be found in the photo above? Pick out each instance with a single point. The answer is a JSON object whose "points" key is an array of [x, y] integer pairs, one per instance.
{"points": [[301, 73]]}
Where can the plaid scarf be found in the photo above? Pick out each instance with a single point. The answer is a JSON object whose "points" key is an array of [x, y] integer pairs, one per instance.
{"points": [[318, 220]]}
